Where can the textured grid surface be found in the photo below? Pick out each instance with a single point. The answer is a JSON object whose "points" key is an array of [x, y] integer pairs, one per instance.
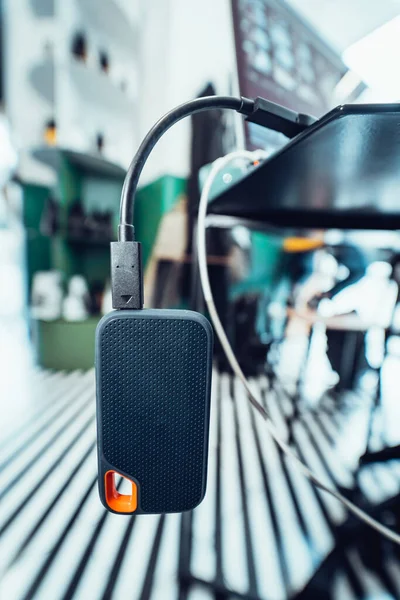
{"points": [[154, 386]]}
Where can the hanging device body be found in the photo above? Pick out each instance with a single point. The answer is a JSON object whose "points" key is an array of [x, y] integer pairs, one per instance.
{"points": [[153, 376]]}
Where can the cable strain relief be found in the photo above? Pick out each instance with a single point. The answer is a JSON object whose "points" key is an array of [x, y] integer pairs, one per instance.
{"points": [[247, 106], [126, 233], [126, 275]]}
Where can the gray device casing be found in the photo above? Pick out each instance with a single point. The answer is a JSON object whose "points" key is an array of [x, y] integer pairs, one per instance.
{"points": [[153, 388]]}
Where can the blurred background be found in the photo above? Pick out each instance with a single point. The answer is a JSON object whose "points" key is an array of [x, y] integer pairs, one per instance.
{"points": [[312, 314]]}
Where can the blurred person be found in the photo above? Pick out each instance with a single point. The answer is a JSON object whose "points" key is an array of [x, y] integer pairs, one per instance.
{"points": [[349, 258], [371, 299], [304, 264]]}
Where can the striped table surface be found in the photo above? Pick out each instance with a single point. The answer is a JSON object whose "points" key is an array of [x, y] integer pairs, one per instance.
{"points": [[262, 531]]}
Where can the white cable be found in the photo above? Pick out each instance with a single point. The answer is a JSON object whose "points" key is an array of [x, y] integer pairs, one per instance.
{"points": [[217, 167]]}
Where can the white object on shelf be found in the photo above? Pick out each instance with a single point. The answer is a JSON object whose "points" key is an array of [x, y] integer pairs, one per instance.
{"points": [[106, 304], [47, 295], [74, 307]]}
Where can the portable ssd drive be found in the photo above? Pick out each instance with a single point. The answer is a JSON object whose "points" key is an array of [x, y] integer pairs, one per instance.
{"points": [[153, 380]]}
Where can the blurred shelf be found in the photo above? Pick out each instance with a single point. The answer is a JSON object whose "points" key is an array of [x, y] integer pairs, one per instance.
{"points": [[43, 8], [98, 89], [74, 240], [42, 79], [87, 163], [87, 241], [109, 18]]}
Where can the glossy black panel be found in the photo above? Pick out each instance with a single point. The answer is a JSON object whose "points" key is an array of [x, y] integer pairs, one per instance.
{"points": [[344, 171]]}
